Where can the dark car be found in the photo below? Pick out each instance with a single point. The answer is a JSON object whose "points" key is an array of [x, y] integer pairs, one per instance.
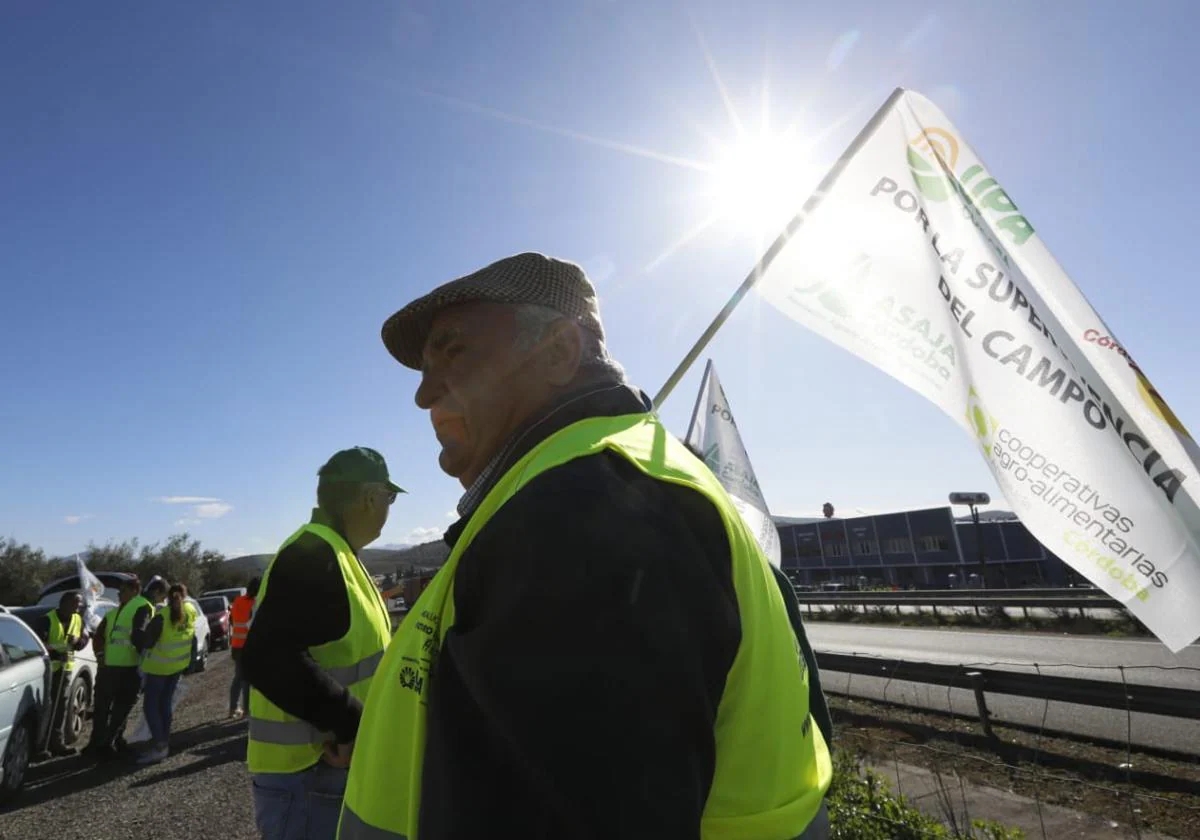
{"points": [[216, 610]]}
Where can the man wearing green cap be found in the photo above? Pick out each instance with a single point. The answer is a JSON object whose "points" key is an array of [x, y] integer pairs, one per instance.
{"points": [[318, 632]]}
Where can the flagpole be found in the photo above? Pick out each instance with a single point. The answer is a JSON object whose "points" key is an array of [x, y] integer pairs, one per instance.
{"points": [[771, 253], [696, 407]]}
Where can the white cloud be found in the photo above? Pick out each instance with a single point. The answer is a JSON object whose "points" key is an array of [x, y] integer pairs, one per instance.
{"points": [[212, 510], [76, 518], [202, 507], [452, 514], [422, 535]]}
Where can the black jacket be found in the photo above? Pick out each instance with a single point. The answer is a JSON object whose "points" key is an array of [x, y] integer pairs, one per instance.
{"points": [[576, 693]]}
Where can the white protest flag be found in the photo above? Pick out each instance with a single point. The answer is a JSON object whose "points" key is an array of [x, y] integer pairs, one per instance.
{"points": [[93, 590], [913, 257], [714, 433]]}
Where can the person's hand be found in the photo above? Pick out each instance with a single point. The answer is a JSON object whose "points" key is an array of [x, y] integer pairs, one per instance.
{"points": [[337, 755]]}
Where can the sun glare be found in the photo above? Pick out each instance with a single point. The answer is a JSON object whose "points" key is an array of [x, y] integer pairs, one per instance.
{"points": [[760, 182]]}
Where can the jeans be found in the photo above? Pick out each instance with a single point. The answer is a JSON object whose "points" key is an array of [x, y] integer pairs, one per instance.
{"points": [[299, 806], [239, 687], [157, 705], [818, 829], [116, 691]]}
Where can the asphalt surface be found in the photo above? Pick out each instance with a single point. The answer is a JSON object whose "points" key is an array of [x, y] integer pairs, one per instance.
{"points": [[1145, 662], [201, 791]]}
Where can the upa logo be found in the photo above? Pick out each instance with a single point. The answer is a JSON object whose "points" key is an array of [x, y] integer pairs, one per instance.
{"points": [[933, 160], [930, 154], [982, 423]]}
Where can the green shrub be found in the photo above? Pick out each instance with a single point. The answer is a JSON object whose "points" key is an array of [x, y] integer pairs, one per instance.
{"points": [[863, 807]]}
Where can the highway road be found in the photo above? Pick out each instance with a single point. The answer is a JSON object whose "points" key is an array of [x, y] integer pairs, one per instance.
{"points": [[1145, 662]]}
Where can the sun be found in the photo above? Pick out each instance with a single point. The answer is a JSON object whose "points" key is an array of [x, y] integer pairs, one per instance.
{"points": [[760, 181]]}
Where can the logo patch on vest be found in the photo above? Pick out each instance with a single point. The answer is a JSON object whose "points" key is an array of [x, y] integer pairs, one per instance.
{"points": [[414, 675]]}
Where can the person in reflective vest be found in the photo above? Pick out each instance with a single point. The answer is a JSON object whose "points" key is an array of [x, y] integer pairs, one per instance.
{"points": [[168, 653], [62, 631], [318, 633], [241, 614], [606, 652], [118, 681]]}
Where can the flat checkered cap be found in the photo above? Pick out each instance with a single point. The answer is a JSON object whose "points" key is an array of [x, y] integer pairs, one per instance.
{"points": [[523, 278]]}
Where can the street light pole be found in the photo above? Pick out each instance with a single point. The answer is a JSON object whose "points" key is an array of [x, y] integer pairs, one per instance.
{"points": [[973, 501], [979, 543]]}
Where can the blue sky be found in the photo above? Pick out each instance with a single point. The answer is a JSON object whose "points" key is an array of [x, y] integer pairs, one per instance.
{"points": [[208, 210]]}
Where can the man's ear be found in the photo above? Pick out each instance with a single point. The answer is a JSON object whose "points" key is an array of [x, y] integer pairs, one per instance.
{"points": [[563, 354]]}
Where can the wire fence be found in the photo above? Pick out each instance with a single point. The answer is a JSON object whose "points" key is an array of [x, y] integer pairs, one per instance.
{"points": [[1127, 784]]}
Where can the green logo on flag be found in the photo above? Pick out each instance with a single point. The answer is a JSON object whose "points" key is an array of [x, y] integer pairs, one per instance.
{"points": [[982, 423], [933, 162]]}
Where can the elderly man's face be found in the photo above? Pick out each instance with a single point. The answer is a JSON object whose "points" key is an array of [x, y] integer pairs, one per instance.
{"points": [[476, 385]]}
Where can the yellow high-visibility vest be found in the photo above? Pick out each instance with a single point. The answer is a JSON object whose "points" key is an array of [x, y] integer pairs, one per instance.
{"points": [[62, 640], [283, 743], [772, 763], [172, 653], [118, 634]]}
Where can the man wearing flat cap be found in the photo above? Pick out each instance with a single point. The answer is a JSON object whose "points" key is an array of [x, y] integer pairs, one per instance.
{"points": [[317, 634], [606, 652]]}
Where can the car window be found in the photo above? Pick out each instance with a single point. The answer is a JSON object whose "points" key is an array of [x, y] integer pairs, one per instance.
{"points": [[30, 614], [209, 605], [17, 641]]}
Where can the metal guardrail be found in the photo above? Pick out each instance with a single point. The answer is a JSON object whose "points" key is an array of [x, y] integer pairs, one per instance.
{"points": [[1016, 598], [1108, 694]]}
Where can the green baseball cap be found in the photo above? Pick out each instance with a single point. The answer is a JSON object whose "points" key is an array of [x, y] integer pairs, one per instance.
{"points": [[360, 465]]}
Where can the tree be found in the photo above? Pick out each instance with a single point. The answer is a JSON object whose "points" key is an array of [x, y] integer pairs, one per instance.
{"points": [[220, 574], [23, 572], [113, 557], [179, 560]]}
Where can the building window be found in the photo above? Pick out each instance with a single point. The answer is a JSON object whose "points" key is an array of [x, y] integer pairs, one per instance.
{"points": [[863, 547], [835, 549], [898, 545], [929, 544]]}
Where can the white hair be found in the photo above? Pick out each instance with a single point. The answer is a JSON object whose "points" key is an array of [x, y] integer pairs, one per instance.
{"points": [[534, 322]]}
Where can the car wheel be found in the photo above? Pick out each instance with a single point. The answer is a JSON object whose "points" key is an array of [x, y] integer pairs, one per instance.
{"points": [[79, 700], [16, 760], [202, 659]]}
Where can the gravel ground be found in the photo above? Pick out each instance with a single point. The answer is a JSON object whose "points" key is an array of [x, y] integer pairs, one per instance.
{"points": [[202, 790]]}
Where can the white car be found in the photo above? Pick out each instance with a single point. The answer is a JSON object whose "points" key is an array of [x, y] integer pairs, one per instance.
{"points": [[82, 688], [24, 681]]}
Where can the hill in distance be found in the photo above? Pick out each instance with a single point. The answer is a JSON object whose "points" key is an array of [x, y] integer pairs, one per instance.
{"points": [[430, 555]]}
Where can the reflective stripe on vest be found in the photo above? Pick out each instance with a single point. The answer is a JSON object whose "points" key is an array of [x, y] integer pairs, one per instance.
{"points": [[292, 732], [118, 642], [62, 640], [172, 653], [772, 764], [282, 743]]}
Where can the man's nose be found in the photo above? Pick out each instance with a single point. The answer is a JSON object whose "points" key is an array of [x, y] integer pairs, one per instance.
{"points": [[428, 391]]}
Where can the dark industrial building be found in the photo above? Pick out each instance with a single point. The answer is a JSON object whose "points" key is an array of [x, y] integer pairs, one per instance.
{"points": [[925, 549]]}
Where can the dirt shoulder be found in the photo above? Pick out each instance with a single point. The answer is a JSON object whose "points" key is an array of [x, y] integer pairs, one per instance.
{"points": [[1159, 792]]}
